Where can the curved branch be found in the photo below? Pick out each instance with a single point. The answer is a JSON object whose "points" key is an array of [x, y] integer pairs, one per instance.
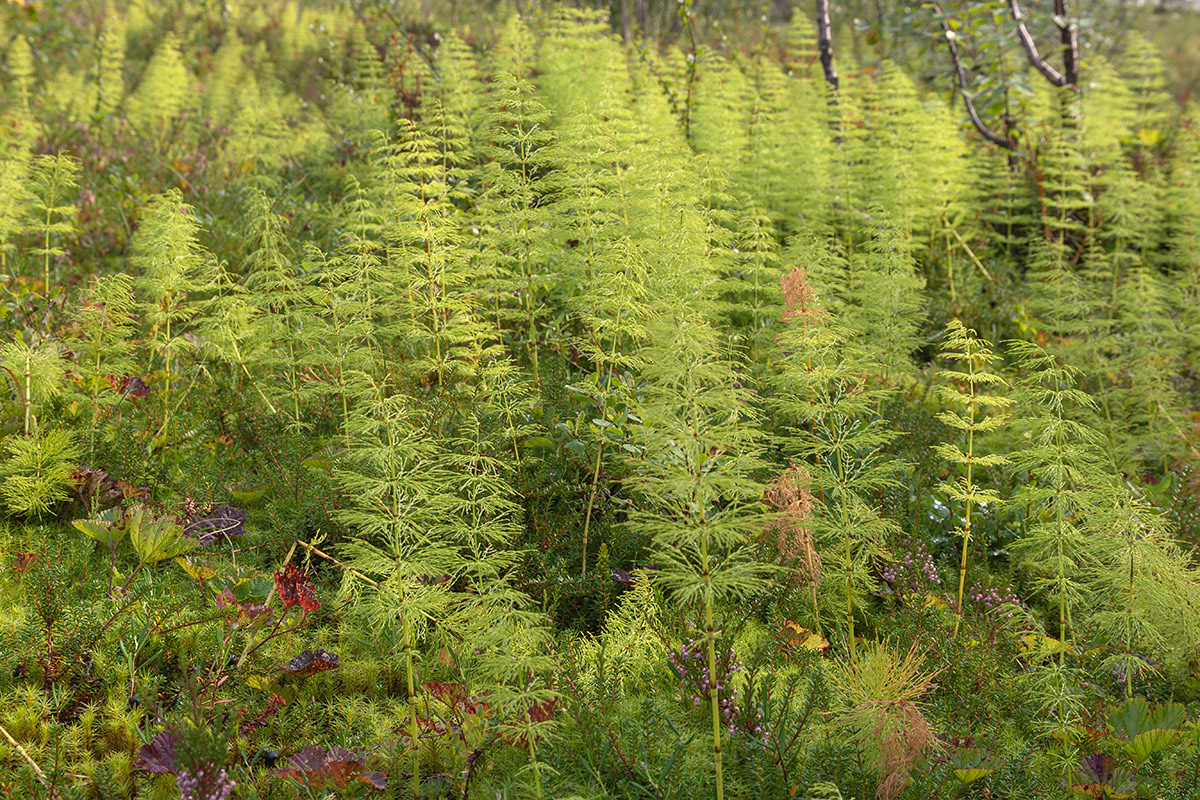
{"points": [[963, 86], [1069, 38]]}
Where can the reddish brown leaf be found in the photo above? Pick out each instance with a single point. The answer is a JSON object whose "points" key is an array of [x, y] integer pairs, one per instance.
{"points": [[159, 755], [295, 587], [376, 780], [95, 487], [274, 703], [542, 711], [310, 662], [451, 694], [225, 522], [130, 491], [227, 599], [335, 768], [23, 562], [129, 385]]}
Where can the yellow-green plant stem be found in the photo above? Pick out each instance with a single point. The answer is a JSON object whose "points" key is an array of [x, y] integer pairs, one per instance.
{"points": [[28, 393], [167, 377], [587, 519], [966, 536], [46, 259], [848, 540], [533, 761], [710, 635], [410, 669]]}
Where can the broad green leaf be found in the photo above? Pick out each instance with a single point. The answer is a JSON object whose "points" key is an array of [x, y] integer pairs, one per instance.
{"points": [[1130, 718], [157, 538], [105, 528], [1147, 744], [1146, 731], [249, 496]]}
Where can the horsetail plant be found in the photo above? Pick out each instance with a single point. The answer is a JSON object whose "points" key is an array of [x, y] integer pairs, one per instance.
{"points": [[1068, 484], [703, 503], [172, 267], [827, 405], [104, 347], [380, 472], [976, 412], [54, 179]]}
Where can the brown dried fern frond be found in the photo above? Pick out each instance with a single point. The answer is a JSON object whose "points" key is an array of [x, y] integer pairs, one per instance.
{"points": [[799, 298], [789, 496]]}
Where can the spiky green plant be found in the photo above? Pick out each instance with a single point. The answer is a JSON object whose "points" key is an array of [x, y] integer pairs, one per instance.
{"points": [[1145, 587], [1068, 482], [54, 179], [514, 204], [15, 202], [36, 472], [103, 352], [700, 454], [973, 411], [878, 704], [827, 408], [282, 306], [37, 371], [19, 61], [110, 66], [379, 473], [173, 269], [161, 93]]}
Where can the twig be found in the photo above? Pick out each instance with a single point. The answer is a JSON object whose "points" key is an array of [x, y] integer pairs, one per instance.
{"points": [[1050, 73], [971, 253], [963, 85], [331, 559], [267, 604], [41, 776]]}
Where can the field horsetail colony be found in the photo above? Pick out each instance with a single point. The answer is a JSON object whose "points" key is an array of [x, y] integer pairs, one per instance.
{"points": [[656, 399]]}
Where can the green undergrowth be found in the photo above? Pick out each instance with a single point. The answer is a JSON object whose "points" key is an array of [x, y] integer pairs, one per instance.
{"points": [[514, 411]]}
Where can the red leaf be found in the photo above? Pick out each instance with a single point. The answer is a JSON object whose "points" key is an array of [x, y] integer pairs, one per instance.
{"points": [[295, 588], [451, 694], [274, 703]]}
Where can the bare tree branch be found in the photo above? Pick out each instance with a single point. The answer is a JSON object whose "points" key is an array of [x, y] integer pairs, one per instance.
{"points": [[825, 42], [964, 86], [1070, 43]]}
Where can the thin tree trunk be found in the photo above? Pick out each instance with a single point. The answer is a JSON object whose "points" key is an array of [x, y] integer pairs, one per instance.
{"points": [[825, 42], [1070, 42]]}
